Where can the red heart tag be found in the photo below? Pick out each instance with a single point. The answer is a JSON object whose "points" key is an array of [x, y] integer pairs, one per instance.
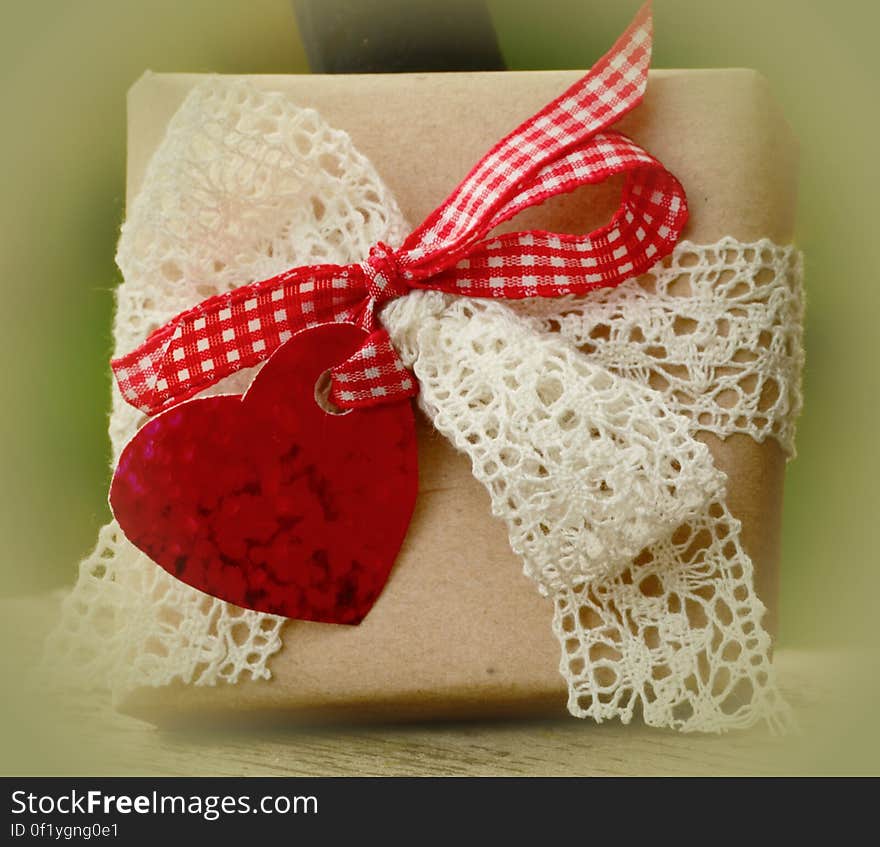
{"points": [[268, 501]]}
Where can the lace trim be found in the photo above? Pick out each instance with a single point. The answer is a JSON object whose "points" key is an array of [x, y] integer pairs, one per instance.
{"points": [[717, 330], [676, 637]]}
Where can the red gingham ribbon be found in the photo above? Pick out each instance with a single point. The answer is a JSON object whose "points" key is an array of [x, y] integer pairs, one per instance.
{"points": [[562, 147]]}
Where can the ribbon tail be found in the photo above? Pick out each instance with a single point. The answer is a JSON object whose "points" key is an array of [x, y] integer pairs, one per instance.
{"points": [[372, 375], [614, 86], [240, 329], [138, 373]]}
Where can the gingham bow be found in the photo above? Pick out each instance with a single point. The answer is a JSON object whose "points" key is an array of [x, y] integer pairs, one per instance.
{"points": [[564, 146]]}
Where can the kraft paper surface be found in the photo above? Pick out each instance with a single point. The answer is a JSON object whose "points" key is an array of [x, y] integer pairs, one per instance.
{"points": [[458, 630]]}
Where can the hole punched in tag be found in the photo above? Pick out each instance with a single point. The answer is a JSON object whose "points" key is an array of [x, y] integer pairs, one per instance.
{"points": [[322, 396]]}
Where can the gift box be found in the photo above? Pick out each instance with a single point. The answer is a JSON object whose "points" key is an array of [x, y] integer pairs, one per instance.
{"points": [[459, 629]]}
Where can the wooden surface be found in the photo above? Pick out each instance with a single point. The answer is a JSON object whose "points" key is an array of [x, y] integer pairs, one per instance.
{"points": [[88, 737]]}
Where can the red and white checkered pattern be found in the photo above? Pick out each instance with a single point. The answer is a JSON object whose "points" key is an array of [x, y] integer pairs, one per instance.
{"points": [[564, 146]]}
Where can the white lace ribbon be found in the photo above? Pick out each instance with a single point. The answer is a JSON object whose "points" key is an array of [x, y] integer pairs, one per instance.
{"points": [[585, 467], [578, 415]]}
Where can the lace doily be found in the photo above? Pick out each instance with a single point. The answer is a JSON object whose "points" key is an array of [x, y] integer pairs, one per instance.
{"points": [[562, 405]]}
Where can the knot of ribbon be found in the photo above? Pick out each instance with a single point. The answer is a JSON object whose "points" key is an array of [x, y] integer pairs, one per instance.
{"points": [[383, 279], [567, 144]]}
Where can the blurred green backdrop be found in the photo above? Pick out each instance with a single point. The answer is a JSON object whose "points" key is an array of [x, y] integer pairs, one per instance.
{"points": [[65, 70]]}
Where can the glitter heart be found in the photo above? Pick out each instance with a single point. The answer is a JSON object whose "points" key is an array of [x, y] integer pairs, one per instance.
{"points": [[267, 500]]}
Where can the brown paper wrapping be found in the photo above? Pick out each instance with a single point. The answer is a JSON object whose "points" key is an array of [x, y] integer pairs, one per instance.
{"points": [[459, 630]]}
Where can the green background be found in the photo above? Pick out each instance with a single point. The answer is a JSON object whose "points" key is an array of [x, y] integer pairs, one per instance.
{"points": [[65, 70]]}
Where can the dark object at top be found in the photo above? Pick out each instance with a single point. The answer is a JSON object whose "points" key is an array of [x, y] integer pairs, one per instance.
{"points": [[396, 36]]}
